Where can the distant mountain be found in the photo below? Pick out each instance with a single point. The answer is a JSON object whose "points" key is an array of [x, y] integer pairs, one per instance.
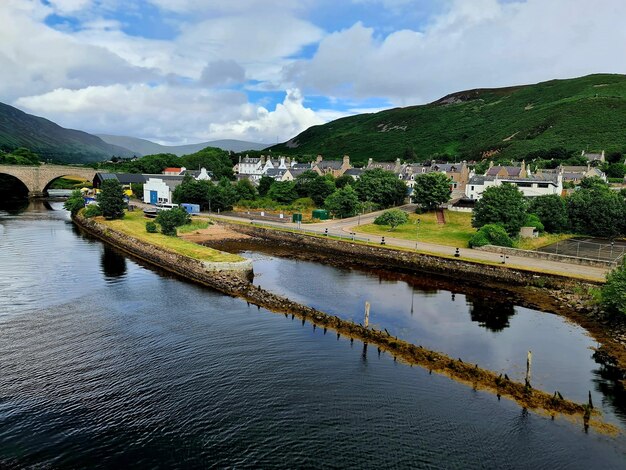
{"points": [[507, 123], [51, 141], [146, 147]]}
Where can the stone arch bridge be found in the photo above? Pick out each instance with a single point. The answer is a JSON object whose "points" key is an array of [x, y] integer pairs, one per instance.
{"points": [[37, 178]]}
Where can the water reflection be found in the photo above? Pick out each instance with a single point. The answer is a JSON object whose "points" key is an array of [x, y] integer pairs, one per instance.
{"points": [[113, 263], [490, 314]]}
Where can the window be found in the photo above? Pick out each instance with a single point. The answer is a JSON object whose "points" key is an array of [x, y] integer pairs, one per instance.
{"points": [[472, 188], [543, 185]]}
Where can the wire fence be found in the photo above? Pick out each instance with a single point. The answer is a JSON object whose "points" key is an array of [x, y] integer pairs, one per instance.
{"points": [[591, 248]]}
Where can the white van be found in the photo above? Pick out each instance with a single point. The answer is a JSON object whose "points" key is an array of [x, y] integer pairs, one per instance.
{"points": [[162, 206]]}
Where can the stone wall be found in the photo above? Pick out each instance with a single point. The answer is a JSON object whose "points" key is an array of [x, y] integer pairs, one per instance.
{"points": [[213, 274], [547, 256], [409, 261], [36, 178]]}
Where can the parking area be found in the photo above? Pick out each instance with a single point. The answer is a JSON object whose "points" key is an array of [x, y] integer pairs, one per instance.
{"points": [[590, 248]]}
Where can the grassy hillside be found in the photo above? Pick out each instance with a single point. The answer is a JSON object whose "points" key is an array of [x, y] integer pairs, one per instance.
{"points": [[51, 141], [146, 147], [581, 113]]}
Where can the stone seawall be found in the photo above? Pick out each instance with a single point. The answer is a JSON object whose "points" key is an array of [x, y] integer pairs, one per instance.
{"points": [[406, 260], [204, 271]]}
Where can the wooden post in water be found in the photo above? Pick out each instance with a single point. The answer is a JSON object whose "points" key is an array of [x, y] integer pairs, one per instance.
{"points": [[529, 360], [367, 314]]}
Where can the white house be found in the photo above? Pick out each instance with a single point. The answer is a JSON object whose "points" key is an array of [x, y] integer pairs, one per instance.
{"points": [[531, 186], [158, 189]]}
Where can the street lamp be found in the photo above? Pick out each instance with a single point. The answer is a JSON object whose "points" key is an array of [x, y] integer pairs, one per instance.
{"points": [[417, 226]]}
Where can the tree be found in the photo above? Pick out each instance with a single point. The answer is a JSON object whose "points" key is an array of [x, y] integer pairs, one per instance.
{"points": [[75, 202], [191, 191], [343, 181], [490, 234], [111, 199], [223, 195], [381, 187], [245, 190], [551, 211], [596, 210], [265, 183], [170, 219], [215, 160], [393, 218], [613, 293], [321, 188], [431, 190], [504, 205], [283, 192], [304, 181], [343, 202]]}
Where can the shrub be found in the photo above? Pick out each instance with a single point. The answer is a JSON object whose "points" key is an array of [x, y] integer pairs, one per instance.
{"points": [[75, 202], [170, 219], [613, 293], [151, 227], [393, 218], [533, 221], [491, 234], [92, 210], [479, 239]]}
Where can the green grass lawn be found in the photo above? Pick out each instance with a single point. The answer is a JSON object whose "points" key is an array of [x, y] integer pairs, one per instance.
{"points": [[196, 224], [455, 232], [134, 225]]}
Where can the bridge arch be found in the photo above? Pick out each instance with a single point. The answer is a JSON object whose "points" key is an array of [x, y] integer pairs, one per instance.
{"points": [[38, 178], [12, 187]]}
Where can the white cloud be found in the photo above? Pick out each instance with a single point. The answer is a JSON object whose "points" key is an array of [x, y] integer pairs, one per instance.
{"points": [[222, 72], [166, 113], [482, 43]]}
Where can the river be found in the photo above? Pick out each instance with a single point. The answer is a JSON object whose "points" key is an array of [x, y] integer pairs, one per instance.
{"points": [[107, 363]]}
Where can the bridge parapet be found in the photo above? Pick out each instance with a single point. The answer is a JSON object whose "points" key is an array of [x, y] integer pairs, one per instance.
{"points": [[37, 178]]}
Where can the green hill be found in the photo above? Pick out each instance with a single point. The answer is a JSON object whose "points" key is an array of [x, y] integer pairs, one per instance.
{"points": [[576, 114], [51, 141]]}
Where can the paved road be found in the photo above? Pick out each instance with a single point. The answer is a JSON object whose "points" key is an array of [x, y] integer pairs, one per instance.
{"points": [[344, 227]]}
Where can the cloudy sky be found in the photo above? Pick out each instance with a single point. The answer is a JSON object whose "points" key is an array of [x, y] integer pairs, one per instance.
{"points": [[185, 71]]}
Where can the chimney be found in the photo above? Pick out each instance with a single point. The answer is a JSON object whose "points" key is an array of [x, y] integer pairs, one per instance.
{"points": [[369, 162], [239, 158], [319, 159], [346, 160], [490, 163], [522, 172]]}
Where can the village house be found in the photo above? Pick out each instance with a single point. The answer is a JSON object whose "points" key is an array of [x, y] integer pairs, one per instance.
{"points": [[158, 189], [593, 158], [530, 186], [255, 168], [513, 171], [174, 171], [575, 174], [331, 167]]}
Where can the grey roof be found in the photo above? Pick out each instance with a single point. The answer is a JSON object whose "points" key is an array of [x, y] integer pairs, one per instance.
{"points": [[333, 164], [297, 171], [593, 156], [124, 178], [447, 167], [301, 166], [275, 172], [511, 170], [354, 172], [479, 179]]}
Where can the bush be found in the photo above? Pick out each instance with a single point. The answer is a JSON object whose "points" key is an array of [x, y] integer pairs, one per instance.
{"points": [[170, 219], [491, 234], [92, 210], [151, 227], [613, 293], [533, 221], [75, 202], [479, 239], [393, 218]]}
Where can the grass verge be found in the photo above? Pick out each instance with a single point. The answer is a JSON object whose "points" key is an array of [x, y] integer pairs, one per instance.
{"points": [[134, 225]]}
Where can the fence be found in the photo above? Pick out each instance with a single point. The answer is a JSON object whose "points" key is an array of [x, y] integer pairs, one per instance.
{"points": [[611, 251], [332, 234]]}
